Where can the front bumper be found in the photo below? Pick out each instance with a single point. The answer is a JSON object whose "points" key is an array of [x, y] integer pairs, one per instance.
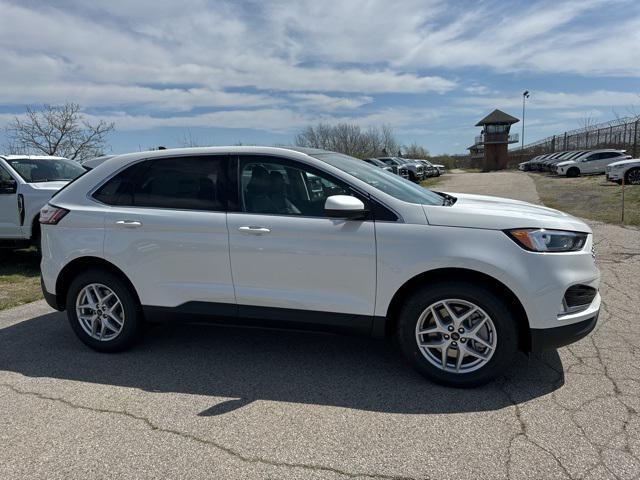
{"points": [[615, 175], [581, 324], [550, 338]]}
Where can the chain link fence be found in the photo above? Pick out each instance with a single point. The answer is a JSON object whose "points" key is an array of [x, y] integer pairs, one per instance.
{"points": [[622, 133]]}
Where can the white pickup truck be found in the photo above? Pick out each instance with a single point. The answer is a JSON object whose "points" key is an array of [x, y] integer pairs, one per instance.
{"points": [[26, 185]]}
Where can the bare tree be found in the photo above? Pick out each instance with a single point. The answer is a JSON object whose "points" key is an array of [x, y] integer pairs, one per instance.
{"points": [[416, 151], [188, 140], [349, 139], [57, 130], [586, 123]]}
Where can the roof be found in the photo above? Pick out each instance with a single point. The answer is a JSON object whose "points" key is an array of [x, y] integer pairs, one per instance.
{"points": [[32, 157], [497, 117]]}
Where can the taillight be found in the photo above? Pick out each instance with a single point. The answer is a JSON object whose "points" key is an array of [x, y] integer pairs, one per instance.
{"points": [[51, 215]]}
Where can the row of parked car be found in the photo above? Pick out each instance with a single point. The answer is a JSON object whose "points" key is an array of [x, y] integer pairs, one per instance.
{"points": [[412, 169], [616, 164]]}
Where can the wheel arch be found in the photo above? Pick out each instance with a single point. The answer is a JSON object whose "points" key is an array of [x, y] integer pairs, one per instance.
{"points": [[79, 265], [448, 274]]}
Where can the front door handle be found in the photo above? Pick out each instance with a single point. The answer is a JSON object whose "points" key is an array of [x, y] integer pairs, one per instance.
{"points": [[253, 230], [129, 223]]}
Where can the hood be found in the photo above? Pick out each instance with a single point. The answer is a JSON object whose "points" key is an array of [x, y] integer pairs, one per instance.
{"points": [[565, 163], [622, 163], [496, 213], [54, 186]]}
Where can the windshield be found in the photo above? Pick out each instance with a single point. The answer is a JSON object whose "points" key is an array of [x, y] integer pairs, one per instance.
{"points": [[34, 170], [383, 180]]}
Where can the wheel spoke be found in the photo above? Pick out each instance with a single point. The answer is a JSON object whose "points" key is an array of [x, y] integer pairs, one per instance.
{"points": [[115, 318], [94, 325], [460, 357], [481, 341], [443, 355], [474, 353], [438, 320], [452, 316], [427, 331], [465, 316], [474, 330], [433, 344]]}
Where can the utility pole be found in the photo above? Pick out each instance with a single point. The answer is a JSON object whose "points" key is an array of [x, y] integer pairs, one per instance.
{"points": [[525, 95]]}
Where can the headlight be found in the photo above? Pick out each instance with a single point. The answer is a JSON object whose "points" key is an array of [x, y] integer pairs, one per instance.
{"points": [[541, 240]]}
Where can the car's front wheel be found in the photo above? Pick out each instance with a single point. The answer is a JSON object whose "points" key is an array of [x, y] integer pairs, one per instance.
{"points": [[457, 334], [632, 177], [103, 312], [573, 172]]}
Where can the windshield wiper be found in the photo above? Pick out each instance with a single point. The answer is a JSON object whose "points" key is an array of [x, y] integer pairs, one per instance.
{"points": [[447, 200]]}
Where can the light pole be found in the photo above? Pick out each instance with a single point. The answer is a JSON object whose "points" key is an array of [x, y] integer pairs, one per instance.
{"points": [[525, 95]]}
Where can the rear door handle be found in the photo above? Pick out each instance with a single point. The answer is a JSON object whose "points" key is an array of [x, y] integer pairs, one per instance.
{"points": [[253, 230], [129, 223]]}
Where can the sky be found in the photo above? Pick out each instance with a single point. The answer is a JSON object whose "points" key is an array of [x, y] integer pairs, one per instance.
{"points": [[257, 72]]}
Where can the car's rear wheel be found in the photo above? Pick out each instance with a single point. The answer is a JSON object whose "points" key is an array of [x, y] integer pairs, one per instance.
{"points": [[457, 334], [103, 312], [573, 172], [632, 177]]}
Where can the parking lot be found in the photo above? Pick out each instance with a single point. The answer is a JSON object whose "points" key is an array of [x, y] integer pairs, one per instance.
{"points": [[212, 402]]}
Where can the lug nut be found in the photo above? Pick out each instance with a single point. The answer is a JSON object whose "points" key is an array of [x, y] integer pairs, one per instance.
{"points": [[463, 340], [446, 337], [461, 330], [454, 344], [451, 329]]}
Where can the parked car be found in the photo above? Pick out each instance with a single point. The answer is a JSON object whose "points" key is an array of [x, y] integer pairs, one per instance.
{"points": [[550, 165], [401, 169], [415, 169], [628, 169], [382, 165], [592, 162], [92, 163], [26, 184], [441, 168], [430, 170], [318, 240]]}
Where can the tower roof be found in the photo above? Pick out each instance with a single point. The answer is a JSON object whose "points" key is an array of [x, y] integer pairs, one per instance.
{"points": [[497, 117]]}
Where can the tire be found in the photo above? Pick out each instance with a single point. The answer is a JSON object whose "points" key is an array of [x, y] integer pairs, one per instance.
{"points": [[632, 176], [573, 172], [129, 311], [504, 338]]}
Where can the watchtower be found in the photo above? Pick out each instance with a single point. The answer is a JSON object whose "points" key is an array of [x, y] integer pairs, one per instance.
{"points": [[495, 139]]}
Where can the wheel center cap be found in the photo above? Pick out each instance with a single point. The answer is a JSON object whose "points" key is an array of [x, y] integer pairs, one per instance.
{"points": [[455, 336]]}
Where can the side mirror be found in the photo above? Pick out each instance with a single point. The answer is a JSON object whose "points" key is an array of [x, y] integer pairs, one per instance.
{"points": [[8, 186], [344, 206]]}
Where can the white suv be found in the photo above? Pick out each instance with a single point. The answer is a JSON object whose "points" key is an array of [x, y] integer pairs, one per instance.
{"points": [[318, 240], [592, 162], [26, 184]]}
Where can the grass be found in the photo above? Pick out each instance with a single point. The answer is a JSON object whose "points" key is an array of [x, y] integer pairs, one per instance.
{"points": [[19, 277], [431, 182], [589, 197]]}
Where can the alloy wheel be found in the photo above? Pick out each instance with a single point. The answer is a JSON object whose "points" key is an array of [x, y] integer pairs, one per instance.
{"points": [[100, 312], [456, 336], [633, 177]]}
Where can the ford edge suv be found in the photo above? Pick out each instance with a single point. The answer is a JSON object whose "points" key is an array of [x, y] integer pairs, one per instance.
{"points": [[316, 240]]}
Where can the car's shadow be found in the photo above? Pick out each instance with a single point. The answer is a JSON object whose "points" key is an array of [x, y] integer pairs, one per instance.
{"points": [[252, 364]]}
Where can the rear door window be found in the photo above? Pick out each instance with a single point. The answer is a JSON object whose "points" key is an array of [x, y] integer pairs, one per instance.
{"points": [[186, 183]]}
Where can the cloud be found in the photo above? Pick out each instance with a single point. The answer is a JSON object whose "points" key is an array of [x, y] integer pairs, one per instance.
{"points": [[328, 102], [557, 100]]}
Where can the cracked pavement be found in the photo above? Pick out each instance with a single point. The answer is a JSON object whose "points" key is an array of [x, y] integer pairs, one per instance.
{"points": [[212, 402]]}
